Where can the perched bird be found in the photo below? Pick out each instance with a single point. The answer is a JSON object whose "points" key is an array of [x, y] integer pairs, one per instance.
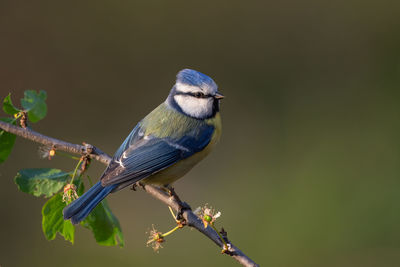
{"points": [[164, 145]]}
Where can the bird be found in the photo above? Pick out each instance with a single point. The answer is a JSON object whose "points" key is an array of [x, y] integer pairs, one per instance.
{"points": [[164, 145]]}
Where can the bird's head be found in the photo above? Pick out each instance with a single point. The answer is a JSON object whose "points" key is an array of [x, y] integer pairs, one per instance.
{"points": [[195, 94]]}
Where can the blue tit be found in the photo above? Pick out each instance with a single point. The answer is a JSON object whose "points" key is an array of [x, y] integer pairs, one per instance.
{"points": [[163, 146]]}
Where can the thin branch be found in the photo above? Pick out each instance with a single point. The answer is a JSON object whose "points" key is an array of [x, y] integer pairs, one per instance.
{"points": [[29, 134], [192, 219]]}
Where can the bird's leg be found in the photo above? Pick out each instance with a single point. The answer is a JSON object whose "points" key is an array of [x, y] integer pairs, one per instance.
{"points": [[173, 194], [182, 205]]}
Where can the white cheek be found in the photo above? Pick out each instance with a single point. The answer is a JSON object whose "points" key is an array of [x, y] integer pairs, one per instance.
{"points": [[195, 107]]}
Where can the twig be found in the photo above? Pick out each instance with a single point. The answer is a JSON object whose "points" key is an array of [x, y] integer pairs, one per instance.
{"points": [[192, 219], [86, 149]]}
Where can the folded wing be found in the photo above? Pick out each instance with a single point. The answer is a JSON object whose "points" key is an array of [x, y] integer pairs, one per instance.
{"points": [[141, 156]]}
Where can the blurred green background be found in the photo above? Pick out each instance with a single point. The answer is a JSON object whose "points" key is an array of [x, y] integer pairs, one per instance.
{"points": [[307, 171]]}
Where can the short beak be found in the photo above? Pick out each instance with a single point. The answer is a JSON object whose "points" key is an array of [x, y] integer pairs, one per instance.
{"points": [[219, 96]]}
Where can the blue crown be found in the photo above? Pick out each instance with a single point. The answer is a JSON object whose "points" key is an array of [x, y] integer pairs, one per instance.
{"points": [[194, 78]]}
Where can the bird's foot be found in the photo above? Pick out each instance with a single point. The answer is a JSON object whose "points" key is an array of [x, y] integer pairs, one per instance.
{"points": [[182, 205], [136, 185], [171, 192]]}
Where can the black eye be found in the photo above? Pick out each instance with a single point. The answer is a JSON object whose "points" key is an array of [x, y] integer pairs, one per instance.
{"points": [[198, 94]]}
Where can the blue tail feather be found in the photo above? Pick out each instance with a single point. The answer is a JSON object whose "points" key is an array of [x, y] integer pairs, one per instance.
{"points": [[79, 209]]}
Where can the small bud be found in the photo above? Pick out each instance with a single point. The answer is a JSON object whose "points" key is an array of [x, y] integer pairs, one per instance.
{"points": [[155, 239], [47, 152], [69, 193], [23, 121], [52, 152], [207, 215], [207, 218], [85, 163]]}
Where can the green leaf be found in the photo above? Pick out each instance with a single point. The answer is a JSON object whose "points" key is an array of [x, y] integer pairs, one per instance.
{"points": [[8, 106], [35, 104], [104, 225], [7, 141], [41, 181], [53, 220]]}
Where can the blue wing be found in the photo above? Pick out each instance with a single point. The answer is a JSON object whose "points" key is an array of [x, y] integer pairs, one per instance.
{"points": [[140, 156]]}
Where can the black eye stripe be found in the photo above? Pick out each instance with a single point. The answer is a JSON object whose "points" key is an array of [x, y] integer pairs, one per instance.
{"points": [[197, 95]]}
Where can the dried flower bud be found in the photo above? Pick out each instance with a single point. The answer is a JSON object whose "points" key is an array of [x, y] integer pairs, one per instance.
{"points": [[155, 239], [69, 193]]}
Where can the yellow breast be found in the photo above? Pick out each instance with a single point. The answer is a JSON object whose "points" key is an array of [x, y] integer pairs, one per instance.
{"points": [[179, 169]]}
